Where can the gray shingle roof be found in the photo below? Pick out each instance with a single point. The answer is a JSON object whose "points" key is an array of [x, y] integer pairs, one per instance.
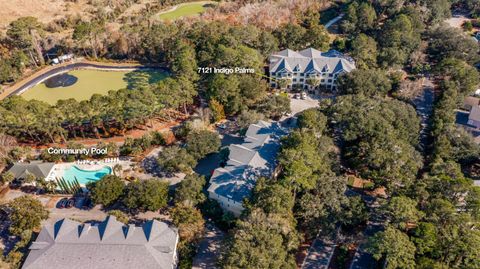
{"points": [[111, 244], [310, 60], [255, 157], [38, 169]]}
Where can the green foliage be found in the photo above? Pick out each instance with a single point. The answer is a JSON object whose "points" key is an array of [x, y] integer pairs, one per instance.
{"points": [[190, 190], [176, 159], [200, 143], [149, 195], [399, 38], [320, 208], [353, 213], [122, 217], [275, 106], [303, 157], [379, 136], [394, 246], [261, 241], [359, 17], [218, 113], [364, 51], [7, 177], [107, 190], [312, 119], [447, 42], [189, 221], [371, 82], [402, 212], [26, 214]]}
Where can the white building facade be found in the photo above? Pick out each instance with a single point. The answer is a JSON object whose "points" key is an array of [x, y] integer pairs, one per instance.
{"points": [[309, 69]]}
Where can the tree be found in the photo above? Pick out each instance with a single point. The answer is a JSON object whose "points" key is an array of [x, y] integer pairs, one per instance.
{"points": [[425, 238], [282, 83], [394, 246], [248, 117], [122, 217], [303, 158], [218, 112], [7, 177], [190, 190], [313, 120], [107, 190], [200, 143], [380, 138], [402, 212], [275, 106], [399, 38], [27, 213], [319, 209], [369, 82], [189, 221], [354, 212], [149, 194], [176, 159], [447, 42], [261, 241], [364, 51], [25, 33]]}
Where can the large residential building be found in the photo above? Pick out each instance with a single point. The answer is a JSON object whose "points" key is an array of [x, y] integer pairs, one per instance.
{"points": [[111, 244], [37, 169], [300, 69], [254, 158]]}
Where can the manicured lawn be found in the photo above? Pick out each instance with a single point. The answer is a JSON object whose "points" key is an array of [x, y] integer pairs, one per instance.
{"points": [[90, 82], [187, 9]]}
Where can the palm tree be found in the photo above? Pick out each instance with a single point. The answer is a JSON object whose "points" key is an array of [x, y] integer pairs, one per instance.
{"points": [[313, 82], [117, 170], [283, 83]]}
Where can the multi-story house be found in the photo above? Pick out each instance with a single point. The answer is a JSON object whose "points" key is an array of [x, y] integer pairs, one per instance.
{"points": [[256, 157], [309, 69]]}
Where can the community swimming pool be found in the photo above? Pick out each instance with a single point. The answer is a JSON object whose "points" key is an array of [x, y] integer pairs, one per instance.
{"points": [[85, 176]]}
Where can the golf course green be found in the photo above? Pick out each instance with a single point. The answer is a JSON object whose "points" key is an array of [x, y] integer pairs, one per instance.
{"points": [[185, 10], [90, 82]]}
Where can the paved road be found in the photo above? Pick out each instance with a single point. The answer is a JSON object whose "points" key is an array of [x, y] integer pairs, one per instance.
{"points": [[209, 249], [362, 259], [319, 254], [424, 106]]}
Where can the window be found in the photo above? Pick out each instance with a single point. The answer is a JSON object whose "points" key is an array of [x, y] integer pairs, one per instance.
{"points": [[329, 81], [294, 80], [301, 80], [322, 80], [330, 75]]}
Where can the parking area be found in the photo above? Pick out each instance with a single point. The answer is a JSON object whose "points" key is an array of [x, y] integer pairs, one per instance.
{"points": [[299, 105]]}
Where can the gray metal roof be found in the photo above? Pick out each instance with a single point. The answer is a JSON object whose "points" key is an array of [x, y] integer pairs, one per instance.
{"points": [[310, 60], [254, 158], [38, 169], [474, 113], [111, 244]]}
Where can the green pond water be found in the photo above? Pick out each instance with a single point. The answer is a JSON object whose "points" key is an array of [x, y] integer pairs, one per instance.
{"points": [[92, 81]]}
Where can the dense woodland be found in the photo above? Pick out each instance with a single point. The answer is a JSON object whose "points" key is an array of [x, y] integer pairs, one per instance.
{"points": [[371, 130]]}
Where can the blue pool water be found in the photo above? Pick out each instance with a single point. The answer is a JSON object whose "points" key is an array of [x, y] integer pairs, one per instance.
{"points": [[85, 176]]}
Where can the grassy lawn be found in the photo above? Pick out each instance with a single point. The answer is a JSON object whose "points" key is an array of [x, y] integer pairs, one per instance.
{"points": [[90, 82], [187, 9]]}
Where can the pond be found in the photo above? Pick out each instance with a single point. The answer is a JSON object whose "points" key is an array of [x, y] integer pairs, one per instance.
{"points": [[81, 84]]}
